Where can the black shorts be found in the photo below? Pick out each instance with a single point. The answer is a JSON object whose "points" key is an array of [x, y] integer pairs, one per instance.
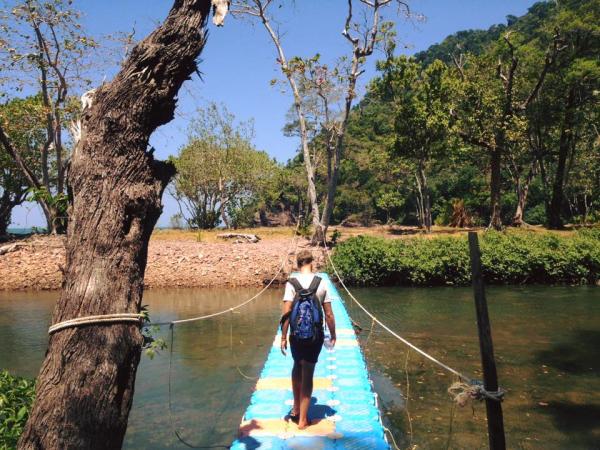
{"points": [[306, 350]]}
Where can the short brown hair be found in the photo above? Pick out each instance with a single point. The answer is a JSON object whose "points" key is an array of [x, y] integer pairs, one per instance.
{"points": [[304, 257]]}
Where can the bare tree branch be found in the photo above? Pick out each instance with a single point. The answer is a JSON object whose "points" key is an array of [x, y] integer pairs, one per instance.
{"points": [[16, 156], [548, 62]]}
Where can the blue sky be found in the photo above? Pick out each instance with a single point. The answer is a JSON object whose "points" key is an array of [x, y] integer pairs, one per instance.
{"points": [[239, 61]]}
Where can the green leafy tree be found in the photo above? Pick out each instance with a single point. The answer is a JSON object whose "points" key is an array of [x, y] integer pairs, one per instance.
{"points": [[28, 135], [220, 175], [571, 100], [420, 98], [43, 49], [493, 98], [13, 190], [523, 110], [311, 83], [389, 201]]}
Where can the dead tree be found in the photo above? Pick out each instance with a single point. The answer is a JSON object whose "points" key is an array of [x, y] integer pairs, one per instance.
{"points": [[85, 386], [363, 39]]}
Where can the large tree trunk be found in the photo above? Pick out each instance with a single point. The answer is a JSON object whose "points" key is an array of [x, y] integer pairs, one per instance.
{"points": [[85, 386], [566, 134], [333, 170], [321, 231], [495, 189]]}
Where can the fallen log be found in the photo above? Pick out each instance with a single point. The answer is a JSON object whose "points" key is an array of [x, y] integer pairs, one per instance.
{"points": [[10, 248], [240, 237]]}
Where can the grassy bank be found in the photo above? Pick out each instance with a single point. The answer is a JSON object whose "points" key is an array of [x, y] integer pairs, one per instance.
{"points": [[16, 398], [513, 257]]}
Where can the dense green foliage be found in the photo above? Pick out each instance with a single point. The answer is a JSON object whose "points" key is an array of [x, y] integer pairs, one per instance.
{"points": [[501, 121], [507, 258], [16, 398], [21, 121]]}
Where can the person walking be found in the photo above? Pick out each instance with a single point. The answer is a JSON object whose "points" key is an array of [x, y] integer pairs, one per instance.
{"points": [[306, 305]]}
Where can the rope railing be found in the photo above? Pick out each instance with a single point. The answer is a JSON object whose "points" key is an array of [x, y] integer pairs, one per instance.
{"points": [[138, 318], [97, 319], [254, 297], [388, 329], [463, 390], [173, 425]]}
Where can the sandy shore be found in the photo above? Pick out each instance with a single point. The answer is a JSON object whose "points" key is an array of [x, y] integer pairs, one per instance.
{"points": [[35, 263]]}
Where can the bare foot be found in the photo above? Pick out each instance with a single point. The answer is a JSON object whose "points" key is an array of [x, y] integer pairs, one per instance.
{"points": [[293, 416], [304, 424]]}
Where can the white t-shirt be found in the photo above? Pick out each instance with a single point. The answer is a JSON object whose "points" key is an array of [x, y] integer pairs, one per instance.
{"points": [[305, 279]]}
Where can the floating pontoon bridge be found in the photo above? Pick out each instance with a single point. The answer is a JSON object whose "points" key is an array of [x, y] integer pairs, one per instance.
{"points": [[344, 409]]}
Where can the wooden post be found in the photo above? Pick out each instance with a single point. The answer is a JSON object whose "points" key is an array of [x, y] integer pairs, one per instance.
{"points": [[490, 376]]}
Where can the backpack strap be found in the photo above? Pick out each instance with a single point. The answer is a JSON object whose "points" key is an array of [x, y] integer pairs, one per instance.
{"points": [[297, 286], [314, 284]]}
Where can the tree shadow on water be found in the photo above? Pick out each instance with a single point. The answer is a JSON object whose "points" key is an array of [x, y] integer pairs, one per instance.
{"points": [[578, 355], [580, 422]]}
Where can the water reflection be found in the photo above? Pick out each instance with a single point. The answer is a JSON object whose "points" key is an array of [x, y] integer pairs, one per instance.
{"points": [[547, 348], [215, 366], [547, 342]]}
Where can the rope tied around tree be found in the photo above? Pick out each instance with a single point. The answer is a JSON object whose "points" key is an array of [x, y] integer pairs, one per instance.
{"points": [[97, 320], [102, 319]]}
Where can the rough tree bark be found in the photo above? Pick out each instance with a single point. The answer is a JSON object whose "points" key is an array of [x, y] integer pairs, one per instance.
{"points": [[85, 386]]}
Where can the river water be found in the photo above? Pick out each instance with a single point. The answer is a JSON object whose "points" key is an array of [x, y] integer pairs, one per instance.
{"points": [[547, 344]]}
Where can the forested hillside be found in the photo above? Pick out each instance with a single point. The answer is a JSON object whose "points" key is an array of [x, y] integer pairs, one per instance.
{"points": [[493, 127]]}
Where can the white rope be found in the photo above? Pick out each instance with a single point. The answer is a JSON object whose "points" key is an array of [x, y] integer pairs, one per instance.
{"points": [[241, 305], [386, 328], [98, 319], [134, 317], [387, 430]]}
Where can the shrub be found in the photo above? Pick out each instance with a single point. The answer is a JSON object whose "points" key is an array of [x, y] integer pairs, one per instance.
{"points": [[16, 397], [536, 215], [513, 257], [363, 260]]}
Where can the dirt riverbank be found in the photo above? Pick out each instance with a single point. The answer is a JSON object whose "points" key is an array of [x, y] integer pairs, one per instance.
{"points": [[35, 263], [183, 258]]}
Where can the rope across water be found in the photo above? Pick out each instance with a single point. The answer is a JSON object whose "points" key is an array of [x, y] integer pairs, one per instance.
{"points": [[463, 390], [137, 317], [386, 328]]}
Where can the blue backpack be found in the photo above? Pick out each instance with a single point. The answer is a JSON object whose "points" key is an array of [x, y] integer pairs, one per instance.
{"points": [[306, 317]]}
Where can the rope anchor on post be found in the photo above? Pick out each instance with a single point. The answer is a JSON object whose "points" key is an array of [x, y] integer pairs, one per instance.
{"points": [[490, 390], [463, 393]]}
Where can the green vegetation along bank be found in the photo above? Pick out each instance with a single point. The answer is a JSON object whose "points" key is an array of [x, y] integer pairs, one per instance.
{"points": [[16, 398], [513, 257]]}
